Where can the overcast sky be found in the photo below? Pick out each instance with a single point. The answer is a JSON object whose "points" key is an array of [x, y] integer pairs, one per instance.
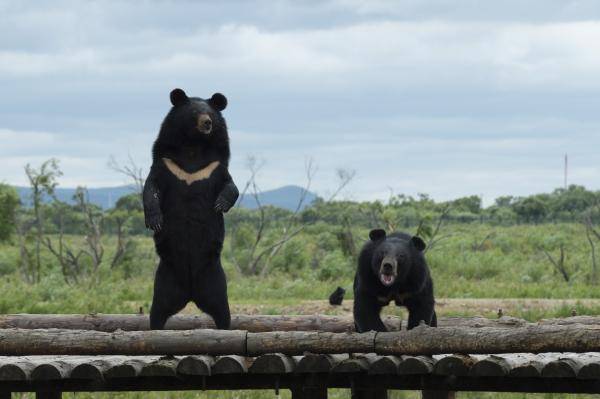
{"points": [[449, 98]]}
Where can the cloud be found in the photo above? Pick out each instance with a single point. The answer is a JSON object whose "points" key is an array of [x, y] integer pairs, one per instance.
{"points": [[415, 96]]}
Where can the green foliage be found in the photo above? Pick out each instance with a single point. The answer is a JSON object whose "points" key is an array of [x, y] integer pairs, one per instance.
{"points": [[9, 201]]}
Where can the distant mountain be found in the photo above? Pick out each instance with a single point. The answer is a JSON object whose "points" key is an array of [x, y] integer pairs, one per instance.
{"points": [[104, 197], [284, 197]]}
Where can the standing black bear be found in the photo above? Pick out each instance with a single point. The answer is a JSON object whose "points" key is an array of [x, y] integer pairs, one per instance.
{"points": [[392, 268], [185, 195]]}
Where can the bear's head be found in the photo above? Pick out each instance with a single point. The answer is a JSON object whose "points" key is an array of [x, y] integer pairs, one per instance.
{"points": [[393, 256], [194, 121]]}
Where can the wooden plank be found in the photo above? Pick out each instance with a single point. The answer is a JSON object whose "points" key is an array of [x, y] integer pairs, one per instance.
{"points": [[273, 363], [195, 365]]}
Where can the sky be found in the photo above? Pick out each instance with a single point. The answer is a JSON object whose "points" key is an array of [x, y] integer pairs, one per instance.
{"points": [[449, 98]]}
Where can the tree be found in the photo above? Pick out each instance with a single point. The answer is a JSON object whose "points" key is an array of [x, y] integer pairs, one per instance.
{"points": [[42, 181], [531, 209], [9, 202]]}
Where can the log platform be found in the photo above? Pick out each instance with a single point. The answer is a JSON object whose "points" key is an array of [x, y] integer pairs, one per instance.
{"points": [[51, 354], [548, 372]]}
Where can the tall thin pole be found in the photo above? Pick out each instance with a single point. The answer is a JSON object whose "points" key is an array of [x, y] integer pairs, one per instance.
{"points": [[566, 170]]}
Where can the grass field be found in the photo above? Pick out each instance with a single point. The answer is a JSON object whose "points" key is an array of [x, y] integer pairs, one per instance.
{"points": [[476, 269]]}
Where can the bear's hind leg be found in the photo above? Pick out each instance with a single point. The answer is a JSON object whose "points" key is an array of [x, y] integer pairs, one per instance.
{"points": [[210, 296], [169, 297]]}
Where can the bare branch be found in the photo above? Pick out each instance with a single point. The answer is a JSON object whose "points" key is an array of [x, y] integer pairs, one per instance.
{"points": [[345, 176], [130, 170], [560, 264]]}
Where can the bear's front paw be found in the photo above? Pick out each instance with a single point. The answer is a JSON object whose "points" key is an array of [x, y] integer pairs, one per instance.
{"points": [[154, 222], [222, 204]]}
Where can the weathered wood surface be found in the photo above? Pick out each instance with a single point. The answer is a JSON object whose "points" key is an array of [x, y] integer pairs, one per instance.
{"points": [[254, 323], [424, 340], [15, 342], [544, 366], [421, 340], [298, 342]]}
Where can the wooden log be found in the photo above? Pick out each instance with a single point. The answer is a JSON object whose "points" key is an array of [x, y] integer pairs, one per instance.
{"points": [[16, 342], [491, 366], [590, 366], [454, 365], [128, 369], [19, 370], [419, 341], [425, 340], [273, 363], [163, 367], [356, 363], [412, 365], [195, 365], [318, 363], [251, 323], [231, 364], [528, 365], [296, 343], [57, 370], [386, 365]]}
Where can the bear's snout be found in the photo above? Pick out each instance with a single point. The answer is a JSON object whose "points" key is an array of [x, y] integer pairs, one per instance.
{"points": [[204, 123], [388, 268]]}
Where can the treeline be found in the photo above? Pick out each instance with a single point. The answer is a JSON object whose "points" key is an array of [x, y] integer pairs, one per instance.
{"points": [[573, 204], [562, 205], [82, 241]]}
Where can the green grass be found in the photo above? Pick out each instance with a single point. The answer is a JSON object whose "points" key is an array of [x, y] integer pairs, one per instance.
{"points": [[510, 264]]}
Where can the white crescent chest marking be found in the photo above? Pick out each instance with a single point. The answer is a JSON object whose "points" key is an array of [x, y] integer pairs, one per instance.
{"points": [[189, 178]]}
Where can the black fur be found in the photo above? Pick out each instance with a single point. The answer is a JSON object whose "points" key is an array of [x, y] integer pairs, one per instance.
{"points": [[337, 296], [187, 219], [411, 288]]}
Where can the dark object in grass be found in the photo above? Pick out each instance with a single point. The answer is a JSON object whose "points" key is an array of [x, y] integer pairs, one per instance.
{"points": [[337, 296]]}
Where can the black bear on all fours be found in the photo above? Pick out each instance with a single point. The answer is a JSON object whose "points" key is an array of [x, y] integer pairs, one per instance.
{"points": [[185, 195], [392, 268]]}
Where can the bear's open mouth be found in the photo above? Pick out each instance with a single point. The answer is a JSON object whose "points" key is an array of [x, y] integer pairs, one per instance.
{"points": [[387, 279]]}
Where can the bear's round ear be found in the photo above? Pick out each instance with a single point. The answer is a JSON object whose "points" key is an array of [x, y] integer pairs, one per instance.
{"points": [[377, 234], [218, 101], [178, 97], [418, 243]]}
